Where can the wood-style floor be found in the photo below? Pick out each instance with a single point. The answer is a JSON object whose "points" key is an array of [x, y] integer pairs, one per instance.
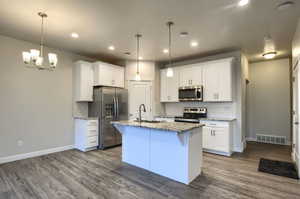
{"points": [[100, 174]]}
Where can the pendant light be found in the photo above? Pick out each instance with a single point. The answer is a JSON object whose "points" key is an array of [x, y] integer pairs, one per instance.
{"points": [[137, 75], [170, 72], [35, 58], [269, 48]]}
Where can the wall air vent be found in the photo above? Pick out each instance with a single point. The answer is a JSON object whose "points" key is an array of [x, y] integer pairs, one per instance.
{"points": [[271, 139]]}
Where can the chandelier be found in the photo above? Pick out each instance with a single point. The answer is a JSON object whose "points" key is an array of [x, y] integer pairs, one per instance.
{"points": [[35, 58]]}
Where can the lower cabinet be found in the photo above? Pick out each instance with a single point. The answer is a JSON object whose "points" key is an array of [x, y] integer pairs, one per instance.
{"points": [[217, 137], [86, 134]]}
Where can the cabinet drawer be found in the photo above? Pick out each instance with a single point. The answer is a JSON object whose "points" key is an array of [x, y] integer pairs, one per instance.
{"points": [[91, 133], [92, 123], [92, 141], [92, 128]]}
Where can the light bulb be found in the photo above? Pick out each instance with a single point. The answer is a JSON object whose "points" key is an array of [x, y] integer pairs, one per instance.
{"points": [[39, 61], [26, 57], [52, 59], [138, 77], [34, 54], [170, 72]]}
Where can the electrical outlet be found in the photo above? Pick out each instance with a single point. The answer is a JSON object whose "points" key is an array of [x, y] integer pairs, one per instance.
{"points": [[20, 143]]}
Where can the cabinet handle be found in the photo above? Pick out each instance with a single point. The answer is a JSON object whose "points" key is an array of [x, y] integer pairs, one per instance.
{"points": [[191, 82]]}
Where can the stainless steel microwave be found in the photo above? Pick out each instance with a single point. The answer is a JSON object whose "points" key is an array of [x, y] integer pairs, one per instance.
{"points": [[190, 93]]}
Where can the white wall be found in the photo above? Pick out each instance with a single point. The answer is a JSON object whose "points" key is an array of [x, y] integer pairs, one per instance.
{"points": [[269, 98], [36, 106]]}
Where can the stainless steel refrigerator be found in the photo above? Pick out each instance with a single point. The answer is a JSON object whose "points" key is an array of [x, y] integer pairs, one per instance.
{"points": [[109, 104]]}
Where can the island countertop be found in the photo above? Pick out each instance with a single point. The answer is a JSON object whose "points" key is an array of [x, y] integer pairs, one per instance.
{"points": [[178, 127]]}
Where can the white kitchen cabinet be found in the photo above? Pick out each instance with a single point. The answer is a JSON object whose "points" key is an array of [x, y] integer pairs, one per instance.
{"points": [[169, 86], [218, 80], [217, 137], [190, 75], [108, 75], [86, 134], [83, 81]]}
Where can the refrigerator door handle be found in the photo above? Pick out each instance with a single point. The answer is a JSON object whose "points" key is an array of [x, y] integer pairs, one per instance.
{"points": [[115, 108]]}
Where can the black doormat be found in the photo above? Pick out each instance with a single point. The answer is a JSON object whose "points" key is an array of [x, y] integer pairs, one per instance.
{"points": [[279, 168]]}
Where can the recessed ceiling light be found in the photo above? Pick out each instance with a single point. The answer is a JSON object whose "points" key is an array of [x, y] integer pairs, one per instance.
{"points": [[194, 44], [243, 2], [184, 34], [74, 35], [165, 51], [111, 48], [269, 55], [140, 58]]}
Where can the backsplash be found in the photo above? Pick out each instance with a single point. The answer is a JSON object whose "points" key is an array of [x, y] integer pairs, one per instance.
{"points": [[213, 109]]}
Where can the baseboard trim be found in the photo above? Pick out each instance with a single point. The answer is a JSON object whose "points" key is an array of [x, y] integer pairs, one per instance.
{"points": [[34, 154], [250, 139]]}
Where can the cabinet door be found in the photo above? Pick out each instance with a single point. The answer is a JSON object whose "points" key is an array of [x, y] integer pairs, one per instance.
{"points": [[220, 136], [190, 75], [173, 84], [217, 81], [108, 75], [197, 75], [118, 76], [103, 74], [186, 76], [169, 86], [206, 138], [163, 86], [225, 84], [83, 81], [86, 91], [210, 83]]}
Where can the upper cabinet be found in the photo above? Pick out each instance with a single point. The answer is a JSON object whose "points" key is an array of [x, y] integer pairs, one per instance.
{"points": [[190, 75], [108, 75], [169, 86], [216, 77], [218, 80], [83, 81]]}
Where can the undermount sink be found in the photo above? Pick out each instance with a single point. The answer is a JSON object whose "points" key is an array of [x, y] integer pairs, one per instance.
{"points": [[148, 121]]}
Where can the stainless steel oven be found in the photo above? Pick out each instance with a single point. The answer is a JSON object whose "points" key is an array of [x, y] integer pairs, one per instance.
{"points": [[190, 93]]}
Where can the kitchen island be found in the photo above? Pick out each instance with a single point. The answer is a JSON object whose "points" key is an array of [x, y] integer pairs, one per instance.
{"points": [[170, 149]]}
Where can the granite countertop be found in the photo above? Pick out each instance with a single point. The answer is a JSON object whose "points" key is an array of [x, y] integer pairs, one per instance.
{"points": [[85, 118], [218, 119], [167, 126]]}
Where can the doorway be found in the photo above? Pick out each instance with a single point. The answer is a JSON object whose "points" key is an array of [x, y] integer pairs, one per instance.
{"points": [[140, 92]]}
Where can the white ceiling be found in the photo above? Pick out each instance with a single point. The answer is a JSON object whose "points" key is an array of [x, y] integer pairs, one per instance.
{"points": [[215, 24]]}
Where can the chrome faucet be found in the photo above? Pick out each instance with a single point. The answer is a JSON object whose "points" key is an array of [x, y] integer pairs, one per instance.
{"points": [[140, 111]]}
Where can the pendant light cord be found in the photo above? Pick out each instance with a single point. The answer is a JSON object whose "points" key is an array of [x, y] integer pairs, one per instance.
{"points": [[138, 53], [170, 23], [170, 40]]}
